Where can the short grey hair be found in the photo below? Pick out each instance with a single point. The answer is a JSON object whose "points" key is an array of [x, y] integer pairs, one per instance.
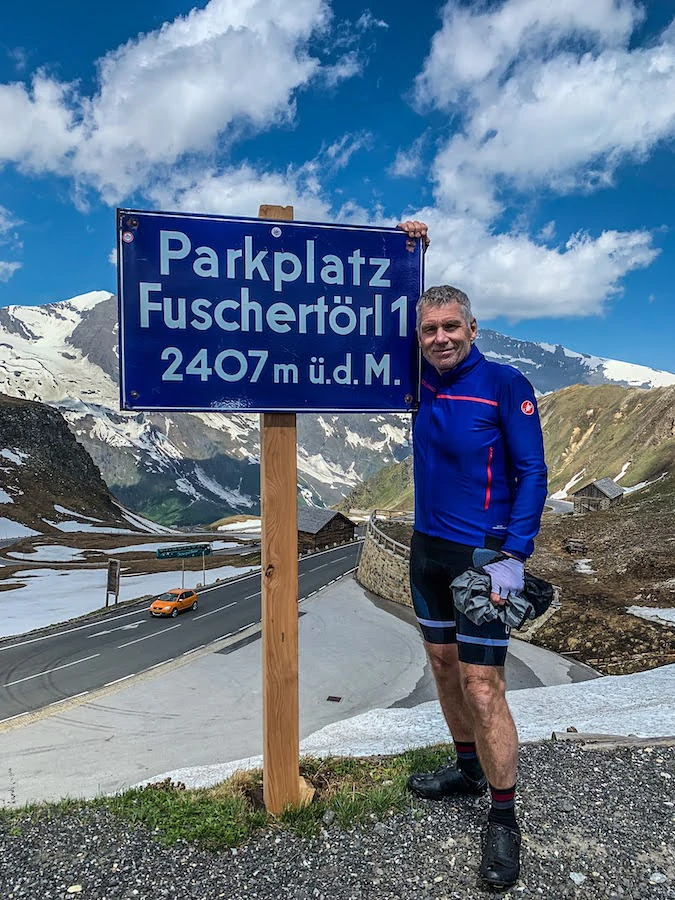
{"points": [[441, 295]]}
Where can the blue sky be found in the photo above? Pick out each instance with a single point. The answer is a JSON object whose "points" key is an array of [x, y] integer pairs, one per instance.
{"points": [[536, 139]]}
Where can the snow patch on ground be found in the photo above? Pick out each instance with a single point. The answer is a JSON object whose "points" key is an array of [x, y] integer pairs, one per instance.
{"points": [[185, 487], [640, 704], [328, 429], [662, 616], [11, 529], [15, 456], [49, 553], [142, 523], [233, 497], [636, 375], [245, 525], [624, 469], [70, 512], [321, 470], [584, 567], [643, 484], [562, 494], [86, 526], [4, 497]]}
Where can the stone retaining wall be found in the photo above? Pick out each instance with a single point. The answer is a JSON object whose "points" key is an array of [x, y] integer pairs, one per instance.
{"points": [[383, 568]]}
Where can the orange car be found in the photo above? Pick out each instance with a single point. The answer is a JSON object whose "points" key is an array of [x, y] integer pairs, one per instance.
{"points": [[170, 603]]}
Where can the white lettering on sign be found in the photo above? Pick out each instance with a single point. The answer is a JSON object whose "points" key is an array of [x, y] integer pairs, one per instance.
{"points": [[233, 365], [336, 316], [277, 267]]}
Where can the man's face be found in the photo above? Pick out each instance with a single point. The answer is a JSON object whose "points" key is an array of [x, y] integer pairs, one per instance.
{"points": [[444, 336]]}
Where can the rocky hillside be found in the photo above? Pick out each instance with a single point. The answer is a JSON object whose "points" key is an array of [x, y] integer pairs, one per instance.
{"points": [[188, 469], [390, 488], [627, 434], [48, 482], [591, 432]]}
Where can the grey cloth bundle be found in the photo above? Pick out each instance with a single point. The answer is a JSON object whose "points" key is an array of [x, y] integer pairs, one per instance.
{"points": [[471, 594]]}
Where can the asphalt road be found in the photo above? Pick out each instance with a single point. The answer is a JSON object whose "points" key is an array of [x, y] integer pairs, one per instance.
{"points": [[68, 661]]}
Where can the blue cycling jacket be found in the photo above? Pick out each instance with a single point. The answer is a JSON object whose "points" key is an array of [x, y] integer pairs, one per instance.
{"points": [[479, 456]]}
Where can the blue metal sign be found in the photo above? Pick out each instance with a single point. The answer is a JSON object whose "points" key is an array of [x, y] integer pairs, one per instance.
{"points": [[258, 315]]}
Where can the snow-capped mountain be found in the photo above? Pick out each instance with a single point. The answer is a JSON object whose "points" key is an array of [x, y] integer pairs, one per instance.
{"points": [[191, 468], [182, 468], [550, 367]]}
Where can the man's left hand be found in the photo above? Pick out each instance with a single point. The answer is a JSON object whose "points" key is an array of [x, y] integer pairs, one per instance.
{"points": [[415, 229], [507, 576]]}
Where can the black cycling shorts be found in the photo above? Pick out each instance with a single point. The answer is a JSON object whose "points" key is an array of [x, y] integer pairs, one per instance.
{"points": [[434, 564]]}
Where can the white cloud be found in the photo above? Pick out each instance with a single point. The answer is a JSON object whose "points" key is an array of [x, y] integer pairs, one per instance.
{"points": [[409, 163], [547, 95], [341, 151], [348, 66], [541, 97], [199, 80], [7, 221], [19, 56], [112, 257], [513, 276], [37, 128], [7, 224], [367, 20], [547, 232], [240, 191], [565, 123], [475, 43], [7, 269]]}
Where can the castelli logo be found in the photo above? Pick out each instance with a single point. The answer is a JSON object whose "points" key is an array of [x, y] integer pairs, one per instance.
{"points": [[527, 407]]}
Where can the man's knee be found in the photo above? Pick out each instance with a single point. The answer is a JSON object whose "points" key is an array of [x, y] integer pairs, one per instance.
{"points": [[483, 688], [443, 660]]}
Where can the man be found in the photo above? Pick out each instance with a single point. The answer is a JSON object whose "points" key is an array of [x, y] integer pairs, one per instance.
{"points": [[480, 487]]}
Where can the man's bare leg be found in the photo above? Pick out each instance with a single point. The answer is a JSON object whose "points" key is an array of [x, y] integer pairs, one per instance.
{"points": [[446, 668], [467, 776], [484, 691], [497, 745]]}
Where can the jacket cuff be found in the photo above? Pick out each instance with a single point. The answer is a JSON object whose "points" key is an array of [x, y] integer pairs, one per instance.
{"points": [[517, 553]]}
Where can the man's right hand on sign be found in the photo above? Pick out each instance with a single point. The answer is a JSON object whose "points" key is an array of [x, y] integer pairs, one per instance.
{"points": [[415, 229]]}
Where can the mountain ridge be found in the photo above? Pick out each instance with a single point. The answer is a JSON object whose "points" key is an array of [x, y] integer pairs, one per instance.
{"points": [[191, 468]]}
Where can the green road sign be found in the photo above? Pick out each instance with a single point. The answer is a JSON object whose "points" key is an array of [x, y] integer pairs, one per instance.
{"points": [[184, 551]]}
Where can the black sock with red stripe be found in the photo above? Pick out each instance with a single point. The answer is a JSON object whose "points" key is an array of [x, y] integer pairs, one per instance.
{"points": [[467, 760], [503, 809]]}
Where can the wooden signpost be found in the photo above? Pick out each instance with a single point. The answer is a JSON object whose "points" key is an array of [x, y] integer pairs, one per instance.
{"points": [[279, 558]]}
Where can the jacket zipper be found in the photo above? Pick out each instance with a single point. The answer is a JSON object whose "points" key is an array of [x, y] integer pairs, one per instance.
{"points": [[488, 486]]}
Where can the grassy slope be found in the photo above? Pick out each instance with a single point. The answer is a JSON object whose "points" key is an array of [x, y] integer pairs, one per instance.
{"points": [[390, 488], [598, 428]]}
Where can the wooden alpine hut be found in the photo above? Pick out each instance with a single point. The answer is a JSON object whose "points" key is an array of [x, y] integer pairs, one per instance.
{"points": [[601, 494], [321, 528]]}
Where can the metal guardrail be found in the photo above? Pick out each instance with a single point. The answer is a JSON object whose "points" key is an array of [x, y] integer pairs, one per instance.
{"points": [[383, 540]]}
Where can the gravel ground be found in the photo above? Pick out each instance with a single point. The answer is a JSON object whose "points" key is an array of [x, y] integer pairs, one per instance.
{"points": [[596, 824]]}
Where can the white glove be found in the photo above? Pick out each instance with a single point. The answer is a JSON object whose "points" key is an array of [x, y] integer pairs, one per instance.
{"points": [[507, 575]]}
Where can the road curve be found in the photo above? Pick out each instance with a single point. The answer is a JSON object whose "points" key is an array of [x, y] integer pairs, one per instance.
{"points": [[64, 662]]}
